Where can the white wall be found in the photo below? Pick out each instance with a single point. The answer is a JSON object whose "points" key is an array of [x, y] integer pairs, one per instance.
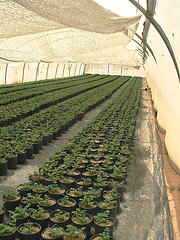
{"points": [[14, 73], [162, 78]]}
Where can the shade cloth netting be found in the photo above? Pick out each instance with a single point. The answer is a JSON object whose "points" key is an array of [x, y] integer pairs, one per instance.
{"points": [[65, 30]]}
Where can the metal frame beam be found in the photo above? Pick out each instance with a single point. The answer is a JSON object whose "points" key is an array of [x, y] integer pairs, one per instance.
{"points": [[161, 33]]}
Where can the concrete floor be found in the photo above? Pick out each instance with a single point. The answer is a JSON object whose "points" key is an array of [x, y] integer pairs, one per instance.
{"points": [[144, 210]]}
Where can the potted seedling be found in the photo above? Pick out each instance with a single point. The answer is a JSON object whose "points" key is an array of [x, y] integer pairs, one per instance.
{"points": [[112, 194], [31, 199], [117, 175], [75, 193], [90, 173], [36, 177], [24, 188], [7, 231], [50, 178], [38, 188], [61, 218], [68, 182], [118, 185], [102, 236], [125, 150], [74, 233], [20, 214], [11, 200], [88, 204], [85, 183], [47, 203], [73, 173], [81, 218], [100, 182], [29, 231], [110, 205], [102, 220], [40, 215], [55, 191], [3, 167], [66, 203], [94, 193], [52, 233]]}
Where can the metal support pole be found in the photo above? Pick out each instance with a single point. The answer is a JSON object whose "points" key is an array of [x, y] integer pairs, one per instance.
{"points": [[80, 68], [23, 71], [56, 71], [69, 68], [84, 71], [47, 71], [75, 69], [63, 70], [5, 79], [37, 71], [147, 45], [161, 33], [108, 69]]}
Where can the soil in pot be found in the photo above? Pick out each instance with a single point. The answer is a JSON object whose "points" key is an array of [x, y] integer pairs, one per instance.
{"points": [[54, 233], [60, 218], [7, 232], [66, 204], [29, 231]]}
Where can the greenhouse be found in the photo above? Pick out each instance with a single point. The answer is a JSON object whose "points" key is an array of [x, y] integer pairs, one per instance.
{"points": [[89, 120]]}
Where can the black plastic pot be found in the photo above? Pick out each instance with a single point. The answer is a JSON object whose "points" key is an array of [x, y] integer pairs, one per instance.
{"points": [[84, 187], [33, 236], [29, 153], [76, 198], [36, 147], [42, 222], [3, 169], [45, 140], [81, 238], [49, 207], [68, 185], [24, 192], [1, 217], [59, 224], [21, 158], [67, 208], [11, 205], [47, 238], [100, 229], [92, 210], [57, 195], [9, 236], [88, 226], [95, 237], [11, 162], [112, 211], [20, 220]]}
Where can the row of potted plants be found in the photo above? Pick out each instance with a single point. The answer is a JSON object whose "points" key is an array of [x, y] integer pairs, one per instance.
{"points": [[4, 89], [23, 138], [36, 88], [23, 108], [86, 178]]}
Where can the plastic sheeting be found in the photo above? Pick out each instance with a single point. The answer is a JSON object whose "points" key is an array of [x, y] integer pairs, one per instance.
{"points": [[65, 30]]}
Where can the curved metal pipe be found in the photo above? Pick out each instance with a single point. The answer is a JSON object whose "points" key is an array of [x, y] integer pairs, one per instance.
{"points": [[161, 32]]}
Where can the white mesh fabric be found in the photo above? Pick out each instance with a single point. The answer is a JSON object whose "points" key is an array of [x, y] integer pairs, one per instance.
{"points": [[64, 30]]}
